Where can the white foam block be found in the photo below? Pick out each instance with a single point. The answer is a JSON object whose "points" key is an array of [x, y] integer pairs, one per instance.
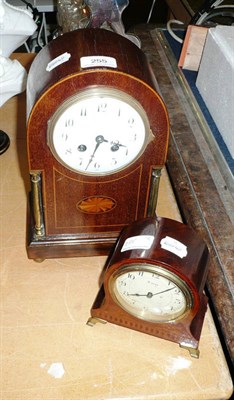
{"points": [[215, 80]]}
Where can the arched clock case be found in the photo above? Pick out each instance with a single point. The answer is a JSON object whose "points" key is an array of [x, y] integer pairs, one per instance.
{"points": [[154, 280], [97, 137]]}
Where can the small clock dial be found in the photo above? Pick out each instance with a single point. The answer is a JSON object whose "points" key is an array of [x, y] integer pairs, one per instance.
{"points": [[98, 131], [150, 293]]}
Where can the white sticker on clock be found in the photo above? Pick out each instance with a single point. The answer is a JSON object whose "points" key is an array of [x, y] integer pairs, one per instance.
{"points": [[138, 242], [98, 61], [174, 246], [58, 61]]}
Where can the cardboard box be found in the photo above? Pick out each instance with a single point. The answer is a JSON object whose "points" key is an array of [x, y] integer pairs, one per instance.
{"points": [[215, 80]]}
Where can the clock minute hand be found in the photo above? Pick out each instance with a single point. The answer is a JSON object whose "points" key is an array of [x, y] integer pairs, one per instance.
{"points": [[150, 294], [163, 291], [99, 139]]}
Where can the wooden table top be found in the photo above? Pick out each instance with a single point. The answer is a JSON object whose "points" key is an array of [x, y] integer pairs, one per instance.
{"points": [[47, 350]]}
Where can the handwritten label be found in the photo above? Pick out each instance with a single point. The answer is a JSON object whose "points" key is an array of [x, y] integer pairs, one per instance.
{"points": [[143, 242], [58, 61], [98, 61], [174, 246]]}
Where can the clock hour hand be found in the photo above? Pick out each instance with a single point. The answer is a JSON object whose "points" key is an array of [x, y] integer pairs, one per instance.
{"points": [[99, 139], [115, 145], [150, 294]]}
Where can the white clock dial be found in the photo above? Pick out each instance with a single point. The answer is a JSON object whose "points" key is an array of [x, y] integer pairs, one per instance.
{"points": [[98, 131], [151, 293]]}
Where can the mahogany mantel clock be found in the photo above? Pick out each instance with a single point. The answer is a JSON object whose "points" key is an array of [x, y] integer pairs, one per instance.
{"points": [[97, 139], [154, 282]]}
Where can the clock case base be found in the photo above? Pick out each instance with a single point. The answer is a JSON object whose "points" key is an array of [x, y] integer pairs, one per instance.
{"points": [[186, 334], [67, 247], [41, 247]]}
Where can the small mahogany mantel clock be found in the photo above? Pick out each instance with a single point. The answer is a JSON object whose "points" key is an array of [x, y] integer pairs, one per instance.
{"points": [[97, 137], [154, 282]]}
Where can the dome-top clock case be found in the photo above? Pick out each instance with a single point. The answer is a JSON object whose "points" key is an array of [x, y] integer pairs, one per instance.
{"points": [[97, 138], [153, 282]]}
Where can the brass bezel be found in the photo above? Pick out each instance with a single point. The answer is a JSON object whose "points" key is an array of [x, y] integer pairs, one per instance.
{"points": [[159, 270], [96, 92]]}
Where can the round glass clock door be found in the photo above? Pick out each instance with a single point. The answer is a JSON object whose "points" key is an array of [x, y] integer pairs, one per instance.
{"points": [[151, 293], [98, 131]]}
